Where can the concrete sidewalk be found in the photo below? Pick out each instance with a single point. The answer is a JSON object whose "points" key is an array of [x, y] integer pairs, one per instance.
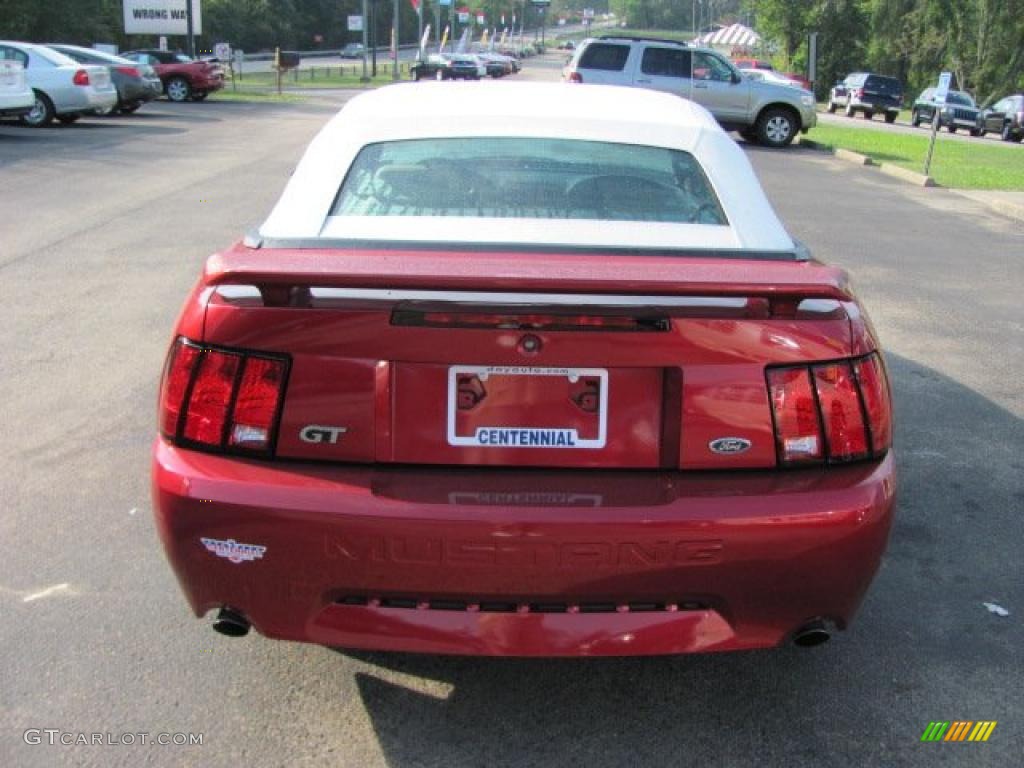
{"points": [[1002, 201]]}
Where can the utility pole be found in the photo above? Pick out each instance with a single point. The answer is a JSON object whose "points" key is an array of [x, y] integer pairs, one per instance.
{"points": [[394, 34], [366, 42], [373, 36], [191, 43]]}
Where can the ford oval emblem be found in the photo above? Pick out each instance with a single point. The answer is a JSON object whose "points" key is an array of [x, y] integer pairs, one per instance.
{"points": [[729, 445]]}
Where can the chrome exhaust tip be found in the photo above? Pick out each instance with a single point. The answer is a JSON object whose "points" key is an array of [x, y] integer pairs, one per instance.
{"points": [[811, 634], [231, 623]]}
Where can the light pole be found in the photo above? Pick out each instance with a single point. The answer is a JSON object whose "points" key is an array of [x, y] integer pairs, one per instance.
{"points": [[191, 42], [366, 42], [394, 33]]}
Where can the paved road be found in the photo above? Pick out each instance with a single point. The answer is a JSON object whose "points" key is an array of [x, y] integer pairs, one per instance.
{"points": [[103, 228], [878, 124]]}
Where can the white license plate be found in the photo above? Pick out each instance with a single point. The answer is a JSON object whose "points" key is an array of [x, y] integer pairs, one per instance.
{"points": [[528, 407]]}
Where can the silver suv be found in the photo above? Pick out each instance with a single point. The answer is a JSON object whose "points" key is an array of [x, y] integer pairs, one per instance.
{"points": [[763, 112]]}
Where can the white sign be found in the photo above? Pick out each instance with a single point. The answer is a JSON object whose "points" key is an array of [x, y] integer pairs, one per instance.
{"points": [[222, 51], [355, 23], [943, 90], [161, 17], [588, 13]]}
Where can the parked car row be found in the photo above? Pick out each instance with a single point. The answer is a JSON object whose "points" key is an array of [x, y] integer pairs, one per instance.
{"points": [[464, 66], [870, 93], [43, 83]]}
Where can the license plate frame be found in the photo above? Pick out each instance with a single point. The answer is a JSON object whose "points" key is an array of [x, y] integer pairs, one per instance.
{"points": [[556, 437]]}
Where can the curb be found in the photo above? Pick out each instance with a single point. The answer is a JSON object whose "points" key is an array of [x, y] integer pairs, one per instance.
{"points": [[1005, 207], [902, 173], [857, 158]]}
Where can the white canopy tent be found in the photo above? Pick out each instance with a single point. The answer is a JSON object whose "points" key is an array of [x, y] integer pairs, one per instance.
{"points": [[727, 39]]}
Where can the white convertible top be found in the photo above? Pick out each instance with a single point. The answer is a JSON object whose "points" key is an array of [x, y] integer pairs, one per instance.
{"points": [[542, 110]]}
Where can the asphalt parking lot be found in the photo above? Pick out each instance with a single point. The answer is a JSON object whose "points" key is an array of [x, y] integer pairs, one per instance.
{"points": [[103, 228]]}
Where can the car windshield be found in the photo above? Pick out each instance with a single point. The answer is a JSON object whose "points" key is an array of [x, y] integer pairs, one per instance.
{"points": [[182, 58], [537, 178], [955, 97]]}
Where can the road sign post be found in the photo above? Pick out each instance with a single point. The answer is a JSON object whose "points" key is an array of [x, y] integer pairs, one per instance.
{"points": [[940, 98]]}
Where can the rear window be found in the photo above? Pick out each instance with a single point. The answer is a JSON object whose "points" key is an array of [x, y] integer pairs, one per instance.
{"points": [[886, 85], [604, 56], [530, 178]]}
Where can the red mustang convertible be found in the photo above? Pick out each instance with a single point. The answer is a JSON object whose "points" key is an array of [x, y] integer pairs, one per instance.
{"points": [[525, 370]]}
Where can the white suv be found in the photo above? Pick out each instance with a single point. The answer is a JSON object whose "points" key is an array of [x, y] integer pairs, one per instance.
{"points": [[763, 112]]}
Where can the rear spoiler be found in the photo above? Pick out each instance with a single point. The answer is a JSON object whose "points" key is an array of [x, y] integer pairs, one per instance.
{"points": [[554, 272]]}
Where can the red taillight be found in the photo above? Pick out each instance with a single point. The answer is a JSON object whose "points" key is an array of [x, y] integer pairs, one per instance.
{"points": [[256, 403], [836, 411], [875, 389], [180, 363], [130, 71], [575, 77], [81, 77], [846, 435], [207, 410], [797, 427], [221, 399]]}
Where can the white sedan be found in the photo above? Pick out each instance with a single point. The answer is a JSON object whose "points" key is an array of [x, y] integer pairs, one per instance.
{"points": [[770, 76], [63, 88], [16, 98]]}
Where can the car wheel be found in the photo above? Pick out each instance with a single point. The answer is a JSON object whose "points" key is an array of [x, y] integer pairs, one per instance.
{"points": [[1007, 133], [776, 127], [951, 128], [67, 119], [915, 119], [199, 95], [178, 89], [890, 117], [868, 114], [127, 109], [832, 108], [42, 113], [850, 111], [976, 132]]}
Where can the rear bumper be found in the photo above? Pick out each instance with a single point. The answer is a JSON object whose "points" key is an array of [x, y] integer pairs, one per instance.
{"points": [[207, 84], [584, 563], [139, 91], [874, 106]]}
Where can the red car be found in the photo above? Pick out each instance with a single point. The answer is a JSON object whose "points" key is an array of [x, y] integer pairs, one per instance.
{"points": [[767, 65], [503, 373], [183, 78]]}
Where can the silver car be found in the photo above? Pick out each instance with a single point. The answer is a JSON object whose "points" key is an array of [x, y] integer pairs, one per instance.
{"points": [[64, 89], [16, 98], [764, 112]]}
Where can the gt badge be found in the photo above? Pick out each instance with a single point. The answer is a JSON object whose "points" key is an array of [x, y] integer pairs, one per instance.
{"points": [[320, 433], [727, 445]]}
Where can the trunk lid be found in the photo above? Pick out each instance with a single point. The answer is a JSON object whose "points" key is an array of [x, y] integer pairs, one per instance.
{"points": [[525, 359]]}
